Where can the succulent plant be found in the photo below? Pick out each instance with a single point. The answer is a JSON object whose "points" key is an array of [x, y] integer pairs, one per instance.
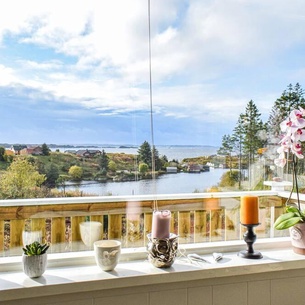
{"points": [[35, 248]]}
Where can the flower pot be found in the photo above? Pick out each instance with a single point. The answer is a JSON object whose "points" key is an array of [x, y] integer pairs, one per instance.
{"points": [[34, 266], [297, 234]]}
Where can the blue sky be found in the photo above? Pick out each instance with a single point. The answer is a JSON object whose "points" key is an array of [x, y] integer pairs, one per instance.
{"points": [[76, 72]]}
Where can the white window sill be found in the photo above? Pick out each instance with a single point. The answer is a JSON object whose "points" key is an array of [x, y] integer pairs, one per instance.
{"points": [[82, 274]]}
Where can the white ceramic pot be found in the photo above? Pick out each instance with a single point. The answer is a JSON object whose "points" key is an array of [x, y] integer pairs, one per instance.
{"points": [[107, 253], [90, 231], [297, 234], [34, 266]]}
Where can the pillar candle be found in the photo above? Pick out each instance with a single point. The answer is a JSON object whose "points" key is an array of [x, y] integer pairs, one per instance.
{"points": [[249, 210], [161, 224]]}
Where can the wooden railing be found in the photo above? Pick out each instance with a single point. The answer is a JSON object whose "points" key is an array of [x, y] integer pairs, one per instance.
{"points": [[204, 217]]}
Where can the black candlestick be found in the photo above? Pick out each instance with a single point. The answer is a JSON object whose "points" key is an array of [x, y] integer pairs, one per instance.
{"points": [[250, 238]]}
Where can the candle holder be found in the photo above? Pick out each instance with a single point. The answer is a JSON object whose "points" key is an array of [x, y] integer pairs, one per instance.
{"points": [[162, 251], [250, 238]]}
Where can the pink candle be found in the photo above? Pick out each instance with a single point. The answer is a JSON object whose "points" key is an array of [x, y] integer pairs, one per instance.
{"points": [[161, 224]]}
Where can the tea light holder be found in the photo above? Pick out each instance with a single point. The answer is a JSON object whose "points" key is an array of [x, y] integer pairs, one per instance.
{"points": [[250, 238], [162, 251]]}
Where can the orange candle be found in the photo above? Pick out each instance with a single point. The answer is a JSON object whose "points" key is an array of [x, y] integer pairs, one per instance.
{"points": [[249, 210]]}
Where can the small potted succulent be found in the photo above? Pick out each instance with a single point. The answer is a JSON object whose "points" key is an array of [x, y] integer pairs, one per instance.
{"points": [[34, 259]]}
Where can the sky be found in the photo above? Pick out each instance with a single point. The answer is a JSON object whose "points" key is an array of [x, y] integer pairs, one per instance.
{"points": [[77, 72]]}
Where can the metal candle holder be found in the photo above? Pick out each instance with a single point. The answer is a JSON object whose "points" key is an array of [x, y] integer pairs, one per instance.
{"points": [[162, 251], [250, 238]]}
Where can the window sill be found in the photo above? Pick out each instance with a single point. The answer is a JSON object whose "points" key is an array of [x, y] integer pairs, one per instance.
{"points": [[82, 274]]}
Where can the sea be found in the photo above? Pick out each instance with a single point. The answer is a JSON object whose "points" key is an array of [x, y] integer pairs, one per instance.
{"points": [[163, 184]]}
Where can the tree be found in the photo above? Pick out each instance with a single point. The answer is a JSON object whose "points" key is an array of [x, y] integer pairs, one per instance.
{"points": [[112, 166], [52, 174], [238, 140], [104, 160], [158, 163], [45, 149], [2, 153], [252, 127], [144, 153], [21, 180], [227, 148], [76, 172], [292, 98], [143, 168]]}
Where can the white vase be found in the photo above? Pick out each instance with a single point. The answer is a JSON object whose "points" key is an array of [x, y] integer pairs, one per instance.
{"points": [[34, 266], [90, 232], [297, 234]]}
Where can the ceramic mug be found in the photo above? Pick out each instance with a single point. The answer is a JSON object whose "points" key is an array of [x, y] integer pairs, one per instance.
{"points": [[107, 253]]}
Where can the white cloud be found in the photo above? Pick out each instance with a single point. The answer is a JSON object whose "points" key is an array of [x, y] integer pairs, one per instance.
{"points": [[194, 44]]}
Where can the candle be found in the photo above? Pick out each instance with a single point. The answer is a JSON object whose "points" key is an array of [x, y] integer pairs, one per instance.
{"points": [[161, 224], [249, 210]]}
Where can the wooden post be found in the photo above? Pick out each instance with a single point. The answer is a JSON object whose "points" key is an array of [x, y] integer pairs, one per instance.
{"points": [[75, 230], [147, 226], [58, 233], [16, 229], [184, 225], [39, 224], [1, 235], [115, 226], [217, 233], [200, 223]]}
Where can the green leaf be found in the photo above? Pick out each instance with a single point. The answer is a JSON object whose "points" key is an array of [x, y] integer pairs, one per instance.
{"points": [[282, 218], [294, 210], [290, 222]]}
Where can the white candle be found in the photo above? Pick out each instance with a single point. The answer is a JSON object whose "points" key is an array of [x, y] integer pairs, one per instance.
{"points": [[161, 224]]}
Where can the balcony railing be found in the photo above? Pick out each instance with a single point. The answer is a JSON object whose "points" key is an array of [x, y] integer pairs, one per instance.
{"points": [[197, 217]]}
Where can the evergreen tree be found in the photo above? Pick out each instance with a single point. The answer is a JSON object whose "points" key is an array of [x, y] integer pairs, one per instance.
{"points": [[252, 127], [52, 174], [2, 153], [45, 149], [238, 141], [158, 163], [104, 161], [291, 99], [227, 148], [144, 153]]}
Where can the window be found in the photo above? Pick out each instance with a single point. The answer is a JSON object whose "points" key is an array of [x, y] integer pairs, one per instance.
{"points": [[76, 104]]}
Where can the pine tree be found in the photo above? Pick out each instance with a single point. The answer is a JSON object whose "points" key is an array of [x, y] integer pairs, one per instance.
{"points": [[252, 127], [227, 148], [45, 149], [104, 161], [144, 153], [291, 99]]}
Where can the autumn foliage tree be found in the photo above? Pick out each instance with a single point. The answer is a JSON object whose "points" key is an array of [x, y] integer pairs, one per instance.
{"points": [[21, 180]]}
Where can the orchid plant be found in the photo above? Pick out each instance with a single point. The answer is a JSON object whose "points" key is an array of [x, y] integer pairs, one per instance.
{"points": [[293, 129]]}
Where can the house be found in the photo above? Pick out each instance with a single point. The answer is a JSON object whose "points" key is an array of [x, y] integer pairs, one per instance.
{"points": [[35, 151], [70, 151], [171, 169], [194, 168], [88, 153]]}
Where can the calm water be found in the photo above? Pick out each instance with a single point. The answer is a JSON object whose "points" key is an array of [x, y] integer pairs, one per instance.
{"points": [[165, 184]]}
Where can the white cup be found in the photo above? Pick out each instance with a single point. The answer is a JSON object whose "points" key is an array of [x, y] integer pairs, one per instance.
{"points": [[90, 231], [107, 253]]}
